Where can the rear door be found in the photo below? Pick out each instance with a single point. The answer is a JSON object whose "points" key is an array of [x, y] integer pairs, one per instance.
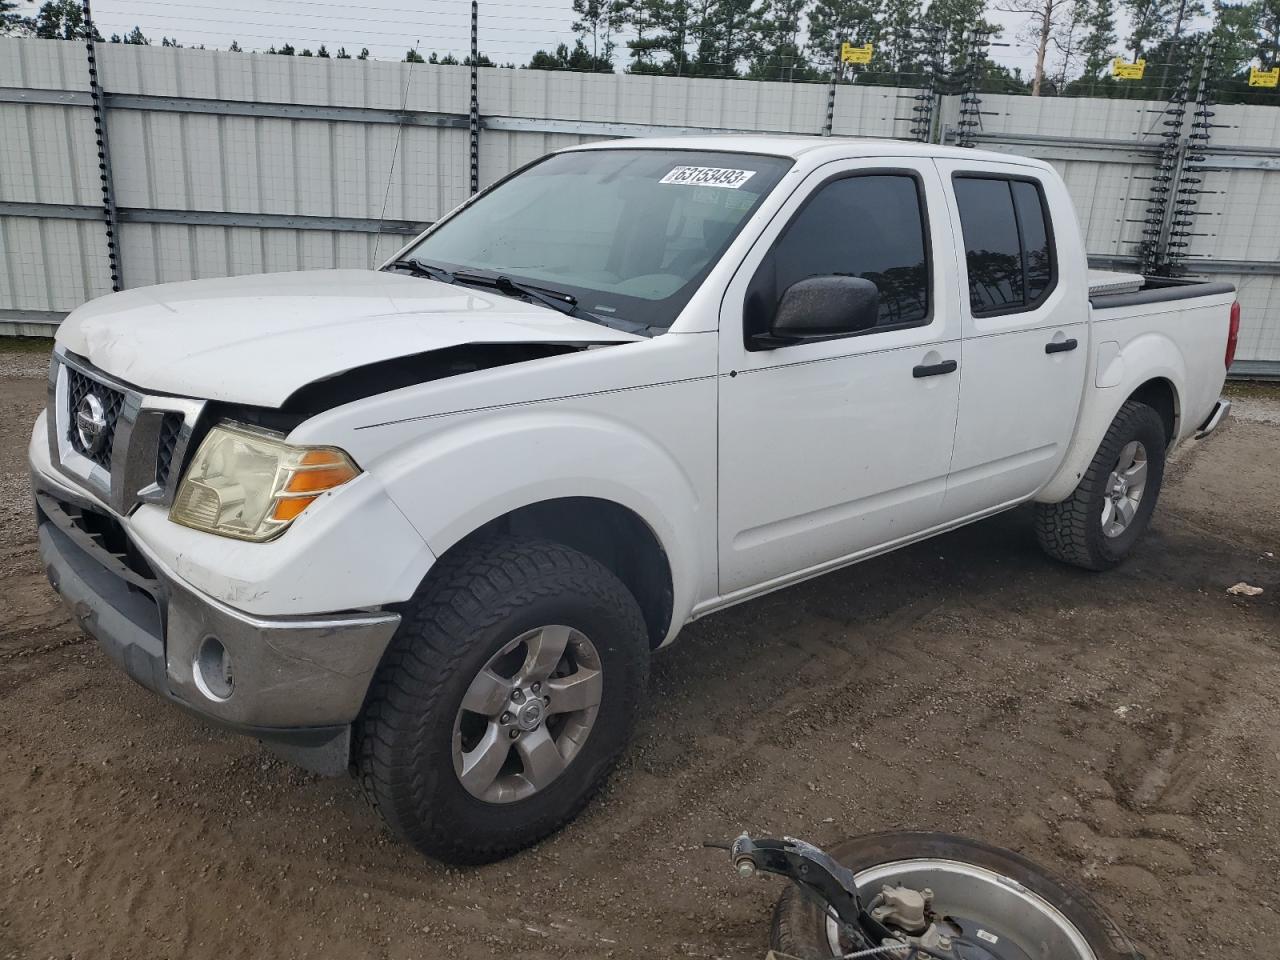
{"points": [[1025, 327]]}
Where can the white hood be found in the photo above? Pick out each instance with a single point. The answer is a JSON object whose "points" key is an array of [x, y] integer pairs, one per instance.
{"points": [[257, 339]]}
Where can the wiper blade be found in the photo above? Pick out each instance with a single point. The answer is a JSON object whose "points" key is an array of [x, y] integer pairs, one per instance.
{"points": [[564, 302], [557, 300], [420, 269]]}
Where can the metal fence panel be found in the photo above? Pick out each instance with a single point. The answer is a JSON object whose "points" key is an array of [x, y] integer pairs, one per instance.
{"points": [[241, 163]]}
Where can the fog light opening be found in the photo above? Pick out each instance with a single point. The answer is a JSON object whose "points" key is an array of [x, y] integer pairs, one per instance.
{"points": [[212, 670]]}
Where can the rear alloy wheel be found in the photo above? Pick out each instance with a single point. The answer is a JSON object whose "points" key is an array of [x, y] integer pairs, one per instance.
{"points": [[1125, 486], [507, 696], [1111, 507]]}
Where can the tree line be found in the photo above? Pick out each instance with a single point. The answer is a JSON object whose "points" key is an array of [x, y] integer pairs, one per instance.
{"points": [[1074, 40]]}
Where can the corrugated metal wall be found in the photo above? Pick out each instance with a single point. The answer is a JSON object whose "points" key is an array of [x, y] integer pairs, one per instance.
{"points": [[1106, 151], [240, 163]]}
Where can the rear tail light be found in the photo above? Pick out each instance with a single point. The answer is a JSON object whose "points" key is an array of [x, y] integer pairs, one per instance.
{"points": [[1233, 333]]}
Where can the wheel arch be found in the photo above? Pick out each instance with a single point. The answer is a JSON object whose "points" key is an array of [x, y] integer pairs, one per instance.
{"points": [[615, 536], [1159, 373], [1161, 395]]}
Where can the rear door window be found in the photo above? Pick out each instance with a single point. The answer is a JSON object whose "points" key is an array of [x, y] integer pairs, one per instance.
{"points": [[1008, 243]]}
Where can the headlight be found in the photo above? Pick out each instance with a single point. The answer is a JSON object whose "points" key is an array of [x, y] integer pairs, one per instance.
{"points": [[249, 484]]}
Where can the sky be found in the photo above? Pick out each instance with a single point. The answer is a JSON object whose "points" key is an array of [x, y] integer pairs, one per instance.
{"points": [[509, 32]]}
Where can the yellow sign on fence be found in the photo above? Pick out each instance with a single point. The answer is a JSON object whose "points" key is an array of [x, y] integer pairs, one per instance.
{"points": [[851, 54], [1264, 78], [1127, 71]]}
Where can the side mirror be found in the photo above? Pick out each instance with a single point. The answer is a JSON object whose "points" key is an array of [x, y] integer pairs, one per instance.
{"points": [[821, 307]]}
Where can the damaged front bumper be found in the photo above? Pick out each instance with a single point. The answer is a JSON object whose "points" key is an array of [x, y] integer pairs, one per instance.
{"points": [[296, 683]]}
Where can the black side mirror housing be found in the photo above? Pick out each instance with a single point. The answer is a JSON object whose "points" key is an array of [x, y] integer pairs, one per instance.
{"points": [[819, 308]]}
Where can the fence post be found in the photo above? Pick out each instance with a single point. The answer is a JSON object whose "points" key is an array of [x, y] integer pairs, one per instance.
{"points": [[474, 119], [831, 97], [104, 151]]}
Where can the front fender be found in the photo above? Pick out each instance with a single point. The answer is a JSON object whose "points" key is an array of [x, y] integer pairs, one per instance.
{"points": [[484, 466], [1116, 372]]}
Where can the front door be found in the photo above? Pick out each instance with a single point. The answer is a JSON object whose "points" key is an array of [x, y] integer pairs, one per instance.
{"points": [[838, 447]]}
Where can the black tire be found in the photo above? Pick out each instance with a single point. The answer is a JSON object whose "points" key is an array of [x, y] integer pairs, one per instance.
{"points": [[800, 928], [474, 604], [1071, 531]]}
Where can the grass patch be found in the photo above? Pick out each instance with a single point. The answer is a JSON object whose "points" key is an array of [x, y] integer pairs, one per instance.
{"points": [[27, 345]]}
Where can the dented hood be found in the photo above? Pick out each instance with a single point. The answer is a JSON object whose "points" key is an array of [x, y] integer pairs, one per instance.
{"points": [[257, 339]]}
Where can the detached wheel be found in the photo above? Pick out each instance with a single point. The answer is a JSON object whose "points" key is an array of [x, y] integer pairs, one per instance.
{"points": [[506, 698], [995, 903], [1111, 507]]}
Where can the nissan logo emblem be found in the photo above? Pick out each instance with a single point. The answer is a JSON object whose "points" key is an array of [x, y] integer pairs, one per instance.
{"points": [[91, 423]]}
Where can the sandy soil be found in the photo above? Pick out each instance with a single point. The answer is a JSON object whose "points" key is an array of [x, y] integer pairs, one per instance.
{"points": [[1123, 729]]}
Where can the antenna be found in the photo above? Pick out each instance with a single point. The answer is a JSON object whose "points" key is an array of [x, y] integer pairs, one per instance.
{"points": [[395, 150]]}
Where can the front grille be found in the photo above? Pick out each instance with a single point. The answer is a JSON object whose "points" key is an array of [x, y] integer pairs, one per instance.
{"points": [[80, 386], [170, 427]]}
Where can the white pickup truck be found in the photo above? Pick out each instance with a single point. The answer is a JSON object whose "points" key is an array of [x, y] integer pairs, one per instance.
{"points": [[426, 523]]}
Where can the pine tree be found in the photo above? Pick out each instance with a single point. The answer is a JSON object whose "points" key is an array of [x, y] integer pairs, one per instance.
{"points": [[1150, 22], [12, 23], [598, 21], [833, 22], [958, 20], [1267, 30], [62, 20], [778, 56], [1099, 44], [900, 36], [732, 34]]}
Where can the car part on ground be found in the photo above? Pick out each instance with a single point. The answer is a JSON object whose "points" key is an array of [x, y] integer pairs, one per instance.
{"points": [[917, 894]]}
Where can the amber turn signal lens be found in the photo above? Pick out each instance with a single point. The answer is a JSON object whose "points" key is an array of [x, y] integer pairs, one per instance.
{"points": [[287, 510], [319, 479]]}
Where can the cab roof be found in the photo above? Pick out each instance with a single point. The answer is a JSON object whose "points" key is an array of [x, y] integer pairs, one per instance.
{"points": [[810, 148]]}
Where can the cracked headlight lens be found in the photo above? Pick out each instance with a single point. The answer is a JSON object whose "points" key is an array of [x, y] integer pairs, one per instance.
{"points": [[249, 484]]}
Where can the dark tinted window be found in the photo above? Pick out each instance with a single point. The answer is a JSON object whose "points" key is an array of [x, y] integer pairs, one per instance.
{"points": [[1008, 249], [1036, 251], [871, 227]]}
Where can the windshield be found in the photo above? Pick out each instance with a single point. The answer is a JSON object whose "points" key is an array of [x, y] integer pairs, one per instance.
{"points": [[628, 233]]}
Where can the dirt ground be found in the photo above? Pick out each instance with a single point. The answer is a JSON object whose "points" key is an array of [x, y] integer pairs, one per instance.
{"points": [[1123, 729]]}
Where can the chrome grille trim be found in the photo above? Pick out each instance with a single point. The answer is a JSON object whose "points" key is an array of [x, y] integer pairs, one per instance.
{"points": [[127, 473]]}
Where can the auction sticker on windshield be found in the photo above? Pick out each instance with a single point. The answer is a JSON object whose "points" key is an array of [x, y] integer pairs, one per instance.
{"points": [[709, 176]]}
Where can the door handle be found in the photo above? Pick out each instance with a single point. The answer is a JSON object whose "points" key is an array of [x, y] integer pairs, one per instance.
{"points": [[1061, 346], [934, 369]]}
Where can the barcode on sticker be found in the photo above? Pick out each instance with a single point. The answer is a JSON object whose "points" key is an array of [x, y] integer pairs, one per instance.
{"points": [[709, 176], [989, 937]]}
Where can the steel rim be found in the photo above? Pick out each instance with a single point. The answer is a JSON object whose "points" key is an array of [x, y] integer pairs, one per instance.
{"points": [[1125, 486], [527, 714], [976, 899]]}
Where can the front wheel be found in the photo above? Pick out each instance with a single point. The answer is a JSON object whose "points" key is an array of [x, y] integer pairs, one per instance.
{"points": [[992, 902], [1111, 507], [508, 694]]}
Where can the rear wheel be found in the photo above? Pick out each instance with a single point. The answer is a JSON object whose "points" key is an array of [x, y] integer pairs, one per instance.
{"points": [[1111, 507], [506, 697], [986, 898]]}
